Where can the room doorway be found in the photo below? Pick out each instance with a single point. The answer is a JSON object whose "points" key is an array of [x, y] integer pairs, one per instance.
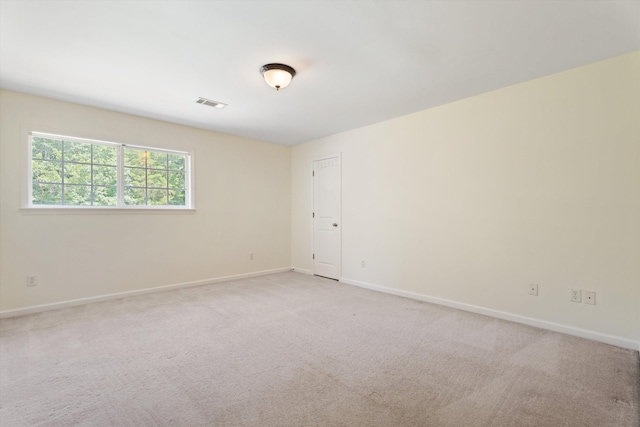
{"points": [[327, 227]]}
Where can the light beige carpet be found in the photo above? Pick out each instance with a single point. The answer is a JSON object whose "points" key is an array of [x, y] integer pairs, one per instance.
{"points": [[296, 350]]}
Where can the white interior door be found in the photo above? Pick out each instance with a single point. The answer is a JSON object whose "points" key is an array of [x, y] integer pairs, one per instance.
{"points": [[327, 241]]}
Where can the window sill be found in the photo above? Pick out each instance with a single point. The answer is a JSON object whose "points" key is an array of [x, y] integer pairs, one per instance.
{"points": [[65, 210]]}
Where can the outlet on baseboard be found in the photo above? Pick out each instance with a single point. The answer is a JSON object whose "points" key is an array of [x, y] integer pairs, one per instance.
{"points": [[32, 280], [533, 289]]}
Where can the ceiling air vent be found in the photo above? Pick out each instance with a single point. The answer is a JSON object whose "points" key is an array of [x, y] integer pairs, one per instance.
{"points": [[210, 103]]}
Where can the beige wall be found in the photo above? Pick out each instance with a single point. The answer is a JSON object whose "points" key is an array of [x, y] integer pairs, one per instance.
{"points": [[242, 196], [472, 201]]}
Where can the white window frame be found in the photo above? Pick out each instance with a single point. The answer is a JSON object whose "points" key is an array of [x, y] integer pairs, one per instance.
{"points": [[121, 206]]}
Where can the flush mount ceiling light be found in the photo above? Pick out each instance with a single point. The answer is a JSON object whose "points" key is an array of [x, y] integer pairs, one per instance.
{"points": [[277, 76]]}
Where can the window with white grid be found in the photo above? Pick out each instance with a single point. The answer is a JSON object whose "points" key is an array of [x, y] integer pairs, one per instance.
{"points": [[76, 172]]}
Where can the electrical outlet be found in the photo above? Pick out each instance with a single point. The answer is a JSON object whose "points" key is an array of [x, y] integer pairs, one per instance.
{"points": [[576, 295], [251, 256], [533, 289], [363, 264], [32, 280], [590, 297]]}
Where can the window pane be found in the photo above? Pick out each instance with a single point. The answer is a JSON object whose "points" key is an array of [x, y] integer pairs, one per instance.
{"points": [[176, 179], [135, 196], [105, 155], [77, 152], [157, 160], [156, 178], [105, 196], [46, 171], [77, 174], [157, 197], [44, 148], [133, 157], [176, 161], [104, 175], [176, 197], [77, 195], [74, 171], [135, 177], [47, 194]]}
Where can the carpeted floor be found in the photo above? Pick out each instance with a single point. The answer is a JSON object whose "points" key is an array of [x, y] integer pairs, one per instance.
{"points": [[296, 350]]}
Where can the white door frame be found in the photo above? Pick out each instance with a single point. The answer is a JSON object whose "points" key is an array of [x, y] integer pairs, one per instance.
{"points": [[313, 160]]}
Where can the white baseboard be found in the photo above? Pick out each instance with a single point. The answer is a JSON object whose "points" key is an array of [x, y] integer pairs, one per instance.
{"points": [[302, 270], [543, 324], [81, 301]]}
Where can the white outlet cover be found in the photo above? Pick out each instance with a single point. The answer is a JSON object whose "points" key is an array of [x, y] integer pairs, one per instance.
{"points": [[576, 295], [590, 297], [533, 289]]}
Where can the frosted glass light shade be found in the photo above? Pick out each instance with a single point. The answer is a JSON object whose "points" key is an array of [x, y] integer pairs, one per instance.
{"points": [[277, 76]]}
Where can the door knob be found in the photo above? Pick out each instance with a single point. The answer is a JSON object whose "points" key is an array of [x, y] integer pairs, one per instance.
{"points": [[335, 225]]}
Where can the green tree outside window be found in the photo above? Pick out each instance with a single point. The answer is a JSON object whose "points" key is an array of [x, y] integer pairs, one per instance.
{"points": [[79, 173]]}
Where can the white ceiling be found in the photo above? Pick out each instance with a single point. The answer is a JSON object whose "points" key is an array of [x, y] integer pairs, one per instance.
{"points": [[358, 62]]}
